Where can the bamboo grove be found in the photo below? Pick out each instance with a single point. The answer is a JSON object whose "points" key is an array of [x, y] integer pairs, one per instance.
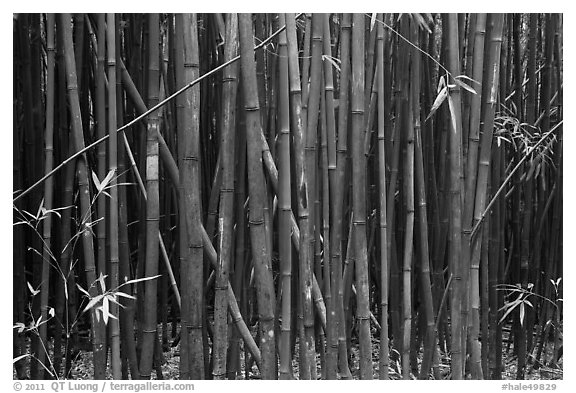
{"points": [[287, 196]]}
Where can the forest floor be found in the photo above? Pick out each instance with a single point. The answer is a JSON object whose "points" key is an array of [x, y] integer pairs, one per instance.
{"points": [[83, 367]]}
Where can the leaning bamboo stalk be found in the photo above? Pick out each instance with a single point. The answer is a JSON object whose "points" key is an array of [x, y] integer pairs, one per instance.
{"points": [[359, 205], [82, 174], [226, 202], [261, 253]]}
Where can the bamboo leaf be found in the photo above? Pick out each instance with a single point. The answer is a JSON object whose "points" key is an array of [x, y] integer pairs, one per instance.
{"points": [[32, 290], [441, 84], [510, 309], [122, 294], [105, 310], [19, 358], [92, 302], [96, 181], [468, 79], [465, 86], [332, 61], [140, 280], [107, 179], [373, 21], [83, 290], [522, 314], [102, 282], [437, 102], [421, 22]]}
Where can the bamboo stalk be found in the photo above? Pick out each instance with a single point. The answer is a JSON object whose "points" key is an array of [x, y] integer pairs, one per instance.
{"points": [[284, 204], [82, 175], [226, 202], [114, 328], [261, 253], [152, 203], [359, 205], [384, 250], [47, 255], [304, 273], [455, 242]]}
